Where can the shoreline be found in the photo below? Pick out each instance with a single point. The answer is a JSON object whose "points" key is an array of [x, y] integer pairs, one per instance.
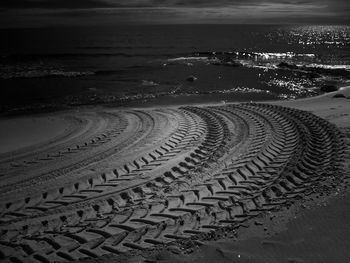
{"points": [[52, 109]]}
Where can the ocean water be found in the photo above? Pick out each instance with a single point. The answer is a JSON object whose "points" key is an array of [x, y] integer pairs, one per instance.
{"points": [[152, 64]]}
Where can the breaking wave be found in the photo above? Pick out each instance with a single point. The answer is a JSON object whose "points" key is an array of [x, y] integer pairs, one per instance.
{"points": [[262, 60]]}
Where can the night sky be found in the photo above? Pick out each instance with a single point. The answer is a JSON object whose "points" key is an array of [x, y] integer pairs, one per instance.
{"points": [[34, 13]]}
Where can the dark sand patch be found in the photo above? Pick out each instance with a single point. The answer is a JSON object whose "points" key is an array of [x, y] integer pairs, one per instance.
{"points": [[16, 133]]}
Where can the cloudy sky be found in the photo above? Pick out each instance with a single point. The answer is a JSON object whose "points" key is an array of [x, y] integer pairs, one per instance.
{"points": [[19, 13]]}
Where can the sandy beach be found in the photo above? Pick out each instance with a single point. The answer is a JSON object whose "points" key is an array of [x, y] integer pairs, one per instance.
{"points": [[249, 182], [313, 229]]}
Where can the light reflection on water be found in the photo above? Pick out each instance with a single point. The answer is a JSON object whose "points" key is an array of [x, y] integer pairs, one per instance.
{"points": [[321, 35], [138, 63]]}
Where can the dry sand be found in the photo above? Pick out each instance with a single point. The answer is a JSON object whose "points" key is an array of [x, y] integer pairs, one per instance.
{"points": [[230, 183], [335, 110]]}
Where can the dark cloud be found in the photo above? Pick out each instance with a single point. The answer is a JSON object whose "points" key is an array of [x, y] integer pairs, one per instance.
{"points": [[87, 4], [83, 4], [94, 12], [53, 4]]}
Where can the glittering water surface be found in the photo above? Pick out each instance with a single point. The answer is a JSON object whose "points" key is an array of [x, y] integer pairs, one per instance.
{"points": [[153, 63]]}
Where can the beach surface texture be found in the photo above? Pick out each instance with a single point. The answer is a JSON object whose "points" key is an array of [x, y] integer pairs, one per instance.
{"points": [[247, 182]]}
